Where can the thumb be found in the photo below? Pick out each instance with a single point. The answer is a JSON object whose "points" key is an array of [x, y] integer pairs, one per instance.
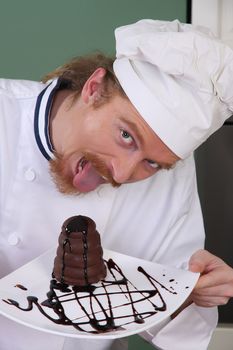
{"points": [[200, 260]]}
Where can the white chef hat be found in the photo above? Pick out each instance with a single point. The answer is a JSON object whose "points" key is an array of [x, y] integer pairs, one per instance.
{"points": [[179, 78]]}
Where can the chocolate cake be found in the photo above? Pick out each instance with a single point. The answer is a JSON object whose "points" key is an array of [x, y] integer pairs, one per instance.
{"points": [[79, 259]]}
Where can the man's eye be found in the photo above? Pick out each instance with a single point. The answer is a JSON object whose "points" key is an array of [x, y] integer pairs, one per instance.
{"points": [[126, 137], [153, 164]]}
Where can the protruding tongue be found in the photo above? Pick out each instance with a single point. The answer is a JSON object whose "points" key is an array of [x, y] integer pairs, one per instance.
{"points": [[87, 179]]}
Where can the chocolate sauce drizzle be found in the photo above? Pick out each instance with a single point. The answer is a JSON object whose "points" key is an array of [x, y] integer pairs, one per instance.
{"points": [[77, 224], [20, 286], [98, 309], [109, 305]]}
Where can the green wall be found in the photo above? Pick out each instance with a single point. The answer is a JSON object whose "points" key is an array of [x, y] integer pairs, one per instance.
{"points": [[38, 35]]}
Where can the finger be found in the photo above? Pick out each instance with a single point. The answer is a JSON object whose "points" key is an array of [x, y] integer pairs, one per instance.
{"points": [[210, 301], [223, 290], [200, 260], [216, 277]]}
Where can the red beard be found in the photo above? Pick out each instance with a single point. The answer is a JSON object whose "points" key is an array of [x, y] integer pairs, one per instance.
{"points": [[63, 178]]}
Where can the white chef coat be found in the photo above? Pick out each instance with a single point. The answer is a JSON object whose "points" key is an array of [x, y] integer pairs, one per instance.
{"points": [[158, 219]]}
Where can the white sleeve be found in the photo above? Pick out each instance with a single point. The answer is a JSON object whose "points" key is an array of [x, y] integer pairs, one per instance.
{"points": [[190, 330], [193, 327], [169, 208]]}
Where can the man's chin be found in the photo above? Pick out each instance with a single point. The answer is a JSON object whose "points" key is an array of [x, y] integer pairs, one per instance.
{"points": [[62, 181], [65, 188]]}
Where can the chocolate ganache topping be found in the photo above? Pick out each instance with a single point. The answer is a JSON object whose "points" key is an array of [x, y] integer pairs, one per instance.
{"points": [[79, 260]]}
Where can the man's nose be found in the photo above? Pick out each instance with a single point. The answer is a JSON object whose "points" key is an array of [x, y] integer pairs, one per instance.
{"points": [[123, 170]]}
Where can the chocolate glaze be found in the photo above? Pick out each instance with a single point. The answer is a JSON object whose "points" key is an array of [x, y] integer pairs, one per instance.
{"points": [[100, 308], [79, 259], [94, 316], [20, 286]]}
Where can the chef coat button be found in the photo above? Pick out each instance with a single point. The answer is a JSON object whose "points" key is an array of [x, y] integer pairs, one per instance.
{"points": [[13, 239], [30, 174]]}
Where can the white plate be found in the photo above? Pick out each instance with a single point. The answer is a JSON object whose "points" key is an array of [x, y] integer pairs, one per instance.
{"points": [[171, 285]]}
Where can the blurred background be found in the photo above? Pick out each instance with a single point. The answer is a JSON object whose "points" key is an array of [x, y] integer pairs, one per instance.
{"points": [[37, 36]]}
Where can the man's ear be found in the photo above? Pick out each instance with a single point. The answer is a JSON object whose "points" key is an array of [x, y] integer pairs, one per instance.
{"points": [[92, 89]]}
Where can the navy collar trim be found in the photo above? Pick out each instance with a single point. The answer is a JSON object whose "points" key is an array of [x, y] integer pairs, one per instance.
{"points": [[41, 119]]}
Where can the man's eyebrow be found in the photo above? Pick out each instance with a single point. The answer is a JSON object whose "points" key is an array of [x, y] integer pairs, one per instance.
{"points": [[134, 128], [167, 166]]}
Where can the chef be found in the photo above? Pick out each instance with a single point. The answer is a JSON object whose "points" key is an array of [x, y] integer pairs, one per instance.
{"points": [[122, 138]]}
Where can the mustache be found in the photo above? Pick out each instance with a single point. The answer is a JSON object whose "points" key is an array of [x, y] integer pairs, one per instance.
{"points": [[101, 168]]}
